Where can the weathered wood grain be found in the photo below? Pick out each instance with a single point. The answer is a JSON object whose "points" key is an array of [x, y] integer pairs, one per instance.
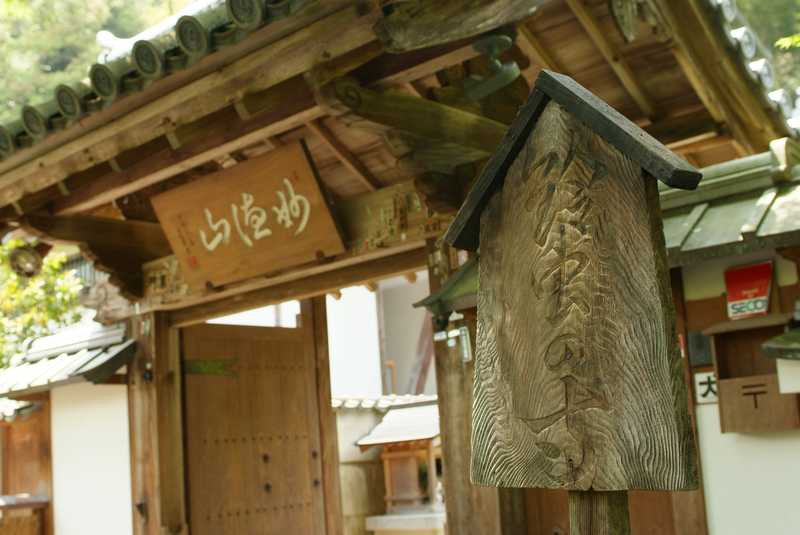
{"points": [[578, 380], [413, 25], [598, 513]]}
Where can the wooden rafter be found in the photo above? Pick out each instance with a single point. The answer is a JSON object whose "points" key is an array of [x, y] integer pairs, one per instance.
{"points": [[269, 112], [314, 284], [396, 69], [212, 137], [413, 25], [344, 155], [717, 74], [116, 246], [142, 240], [532, 47], [425, 118], [612, 56]]}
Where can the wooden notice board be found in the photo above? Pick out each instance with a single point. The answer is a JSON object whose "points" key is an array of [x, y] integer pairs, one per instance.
{"points": [[257, 217]]}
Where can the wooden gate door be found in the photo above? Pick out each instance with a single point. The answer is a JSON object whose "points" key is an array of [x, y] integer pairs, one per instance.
{"points": [[252, 431]]}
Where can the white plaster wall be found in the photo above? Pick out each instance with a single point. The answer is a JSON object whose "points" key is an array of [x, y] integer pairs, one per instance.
{"points": [[91, 460], [750, 480], [788, 376], [353, 343], [401, 326]]}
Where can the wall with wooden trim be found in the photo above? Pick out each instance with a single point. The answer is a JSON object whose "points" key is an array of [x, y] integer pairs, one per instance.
{"points": [[749, 479]]}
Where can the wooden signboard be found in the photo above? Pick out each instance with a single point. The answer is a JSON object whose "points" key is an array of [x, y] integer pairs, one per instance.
{"points": [[578, 379], [258, 217]]}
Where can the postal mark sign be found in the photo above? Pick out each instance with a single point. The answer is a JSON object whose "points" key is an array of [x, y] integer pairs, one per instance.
{"points": [[255, 218]]}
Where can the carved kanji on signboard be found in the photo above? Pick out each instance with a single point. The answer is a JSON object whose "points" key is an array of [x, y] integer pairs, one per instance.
{"points": [[252, 219], [578, 379]]}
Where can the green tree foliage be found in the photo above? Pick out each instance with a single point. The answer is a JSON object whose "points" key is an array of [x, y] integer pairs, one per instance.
{"points": [[36, 306], [47, 42], [777, 23]]}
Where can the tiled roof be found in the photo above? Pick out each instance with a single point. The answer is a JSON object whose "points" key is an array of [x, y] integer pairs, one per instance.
{"points": [[82, 353], [383, 403], [176, 43]]}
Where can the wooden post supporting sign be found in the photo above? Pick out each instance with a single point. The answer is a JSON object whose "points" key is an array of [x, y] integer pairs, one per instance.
{"points": [[578, 378]]}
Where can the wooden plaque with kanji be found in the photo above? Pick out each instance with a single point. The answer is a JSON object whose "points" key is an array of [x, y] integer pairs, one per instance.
{"points": [[255, 218]]}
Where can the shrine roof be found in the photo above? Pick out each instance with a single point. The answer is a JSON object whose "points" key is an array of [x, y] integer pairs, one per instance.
{"points": [[405, 424], [382, 403]]}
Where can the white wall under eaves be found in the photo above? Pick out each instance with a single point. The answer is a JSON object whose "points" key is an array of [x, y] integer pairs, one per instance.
{"points": [[91, 460]]}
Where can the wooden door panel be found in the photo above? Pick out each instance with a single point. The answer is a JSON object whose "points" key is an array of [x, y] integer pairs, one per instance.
{"points": [[251, 431]]}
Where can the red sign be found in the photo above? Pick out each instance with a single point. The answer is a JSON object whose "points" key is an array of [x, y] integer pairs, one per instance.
{"points": [[748, 290]]}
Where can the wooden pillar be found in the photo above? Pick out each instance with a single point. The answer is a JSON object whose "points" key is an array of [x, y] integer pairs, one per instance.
{"points": [[471, 510], [143, 430], [155, 412], [169, 412], [598, 513], [315, 310]]}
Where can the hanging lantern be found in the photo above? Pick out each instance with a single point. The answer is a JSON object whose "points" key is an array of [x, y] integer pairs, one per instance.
{"points": [[26, 260]]}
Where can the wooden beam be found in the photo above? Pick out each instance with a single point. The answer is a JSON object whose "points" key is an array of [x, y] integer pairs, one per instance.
{"points": [[314, 285], [625, 74], [138, 239], [206, 139], [397, 69], [422, 117], [413, 25], [343, 154], [537, 53], [323, 38], [689, 126], [368, 239]]}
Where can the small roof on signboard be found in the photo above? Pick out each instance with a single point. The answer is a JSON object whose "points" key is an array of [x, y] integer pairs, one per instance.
{"points": [[605, 121]]}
